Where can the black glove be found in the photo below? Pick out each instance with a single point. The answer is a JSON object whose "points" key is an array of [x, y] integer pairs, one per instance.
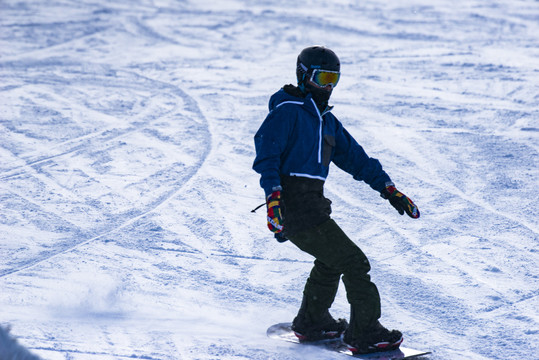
{"points": [[400, 201]]}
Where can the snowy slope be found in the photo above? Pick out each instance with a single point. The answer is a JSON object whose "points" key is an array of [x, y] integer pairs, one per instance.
{"points": [[126, 184]]}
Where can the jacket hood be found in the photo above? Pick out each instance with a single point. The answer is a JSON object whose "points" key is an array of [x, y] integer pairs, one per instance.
{"points": [[286, 93], [293, 93]]}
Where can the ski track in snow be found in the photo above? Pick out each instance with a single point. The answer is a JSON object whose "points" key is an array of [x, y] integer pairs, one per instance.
{"points": [[126, 183], [105, 142]]}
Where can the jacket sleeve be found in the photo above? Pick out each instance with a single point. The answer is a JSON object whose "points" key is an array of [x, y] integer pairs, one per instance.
{"points": [[350, 157], [270, 143]]}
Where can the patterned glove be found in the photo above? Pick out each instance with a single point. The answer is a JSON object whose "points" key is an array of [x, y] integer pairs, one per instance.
{"points": [[400, 201], [275, 219]]}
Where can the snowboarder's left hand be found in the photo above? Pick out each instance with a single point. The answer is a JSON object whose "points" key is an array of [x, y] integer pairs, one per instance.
{"points": [[275, 219], [400, 201]]}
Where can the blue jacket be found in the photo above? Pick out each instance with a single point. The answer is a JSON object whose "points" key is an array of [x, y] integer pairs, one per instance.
{"points": [[296, 140]]}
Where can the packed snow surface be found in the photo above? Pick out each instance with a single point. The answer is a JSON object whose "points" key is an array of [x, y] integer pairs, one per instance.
{"points": [[126, 185]]}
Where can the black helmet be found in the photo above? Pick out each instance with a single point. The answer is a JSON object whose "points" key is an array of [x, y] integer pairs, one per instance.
{"points": [[316, 57]]}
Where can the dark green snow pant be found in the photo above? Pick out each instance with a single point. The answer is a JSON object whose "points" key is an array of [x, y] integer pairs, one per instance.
{"points": [[337, 255]]}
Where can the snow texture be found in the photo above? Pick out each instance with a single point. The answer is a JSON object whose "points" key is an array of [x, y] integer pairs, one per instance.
{"points": [[126, 185]]}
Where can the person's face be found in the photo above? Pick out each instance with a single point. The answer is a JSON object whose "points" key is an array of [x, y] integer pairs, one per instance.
{"points": [[320, 84]]}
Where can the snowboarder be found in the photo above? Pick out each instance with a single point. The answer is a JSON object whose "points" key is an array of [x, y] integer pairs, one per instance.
{"points": [[295, 144]]}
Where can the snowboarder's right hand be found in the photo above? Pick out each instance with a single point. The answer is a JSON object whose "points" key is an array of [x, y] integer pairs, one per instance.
{"points": [[275, 219]]}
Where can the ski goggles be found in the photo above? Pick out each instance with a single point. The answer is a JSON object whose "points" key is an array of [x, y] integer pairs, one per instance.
{"points": [[324, 78]]}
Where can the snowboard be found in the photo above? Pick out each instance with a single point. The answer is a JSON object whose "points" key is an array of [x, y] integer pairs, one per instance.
{"points": [[284, 332]]}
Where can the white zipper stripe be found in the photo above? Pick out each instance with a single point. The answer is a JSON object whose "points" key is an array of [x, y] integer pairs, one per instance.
{"points": [[308, 176], [319, 133]]}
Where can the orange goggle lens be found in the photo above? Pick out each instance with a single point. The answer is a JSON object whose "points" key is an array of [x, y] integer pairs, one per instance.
{"points": [[324, 78]]}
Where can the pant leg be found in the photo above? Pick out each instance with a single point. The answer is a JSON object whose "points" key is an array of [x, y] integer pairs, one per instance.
{"points": [[319, 292], [336, 254]]}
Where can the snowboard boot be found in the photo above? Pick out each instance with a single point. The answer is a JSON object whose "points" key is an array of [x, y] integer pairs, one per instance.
{"points": [[326, 327], [374, 339]]}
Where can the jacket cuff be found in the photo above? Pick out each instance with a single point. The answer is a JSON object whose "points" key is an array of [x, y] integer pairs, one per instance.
{"points": [[271, 189], [385, 193]]}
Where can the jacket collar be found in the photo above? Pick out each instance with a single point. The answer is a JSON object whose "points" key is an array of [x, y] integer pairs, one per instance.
{"points": [[292, 93], [311, 106]]}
